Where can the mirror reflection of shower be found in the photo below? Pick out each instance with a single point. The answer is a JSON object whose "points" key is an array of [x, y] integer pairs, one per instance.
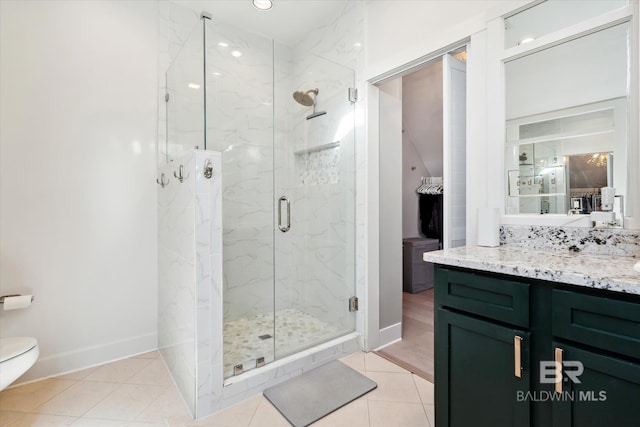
{"points": [[305, 98]]}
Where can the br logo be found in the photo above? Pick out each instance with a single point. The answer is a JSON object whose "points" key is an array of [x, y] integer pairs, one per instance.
{"points": [[551, 371]]}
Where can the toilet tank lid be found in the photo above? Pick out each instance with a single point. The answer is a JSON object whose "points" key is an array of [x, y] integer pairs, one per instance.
{"points": [[15, 346]]}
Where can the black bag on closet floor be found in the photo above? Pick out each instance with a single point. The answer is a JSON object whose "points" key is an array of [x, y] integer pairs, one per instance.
{"points": [[431, 216]]}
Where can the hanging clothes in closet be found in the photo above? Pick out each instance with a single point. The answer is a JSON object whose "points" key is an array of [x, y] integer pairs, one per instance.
{"points": [[430, 205]]}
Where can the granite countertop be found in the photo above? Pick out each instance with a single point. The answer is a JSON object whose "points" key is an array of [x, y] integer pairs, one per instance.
{"points": [[613, 273]]}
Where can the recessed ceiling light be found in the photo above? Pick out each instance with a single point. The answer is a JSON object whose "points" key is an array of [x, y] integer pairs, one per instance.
{"points": [[194, 86], [223, 44], [357, 44], [236, 53], [262, 4], [217, 74]]}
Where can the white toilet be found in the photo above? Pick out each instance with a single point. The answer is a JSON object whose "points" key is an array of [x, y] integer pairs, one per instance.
{"points": [[17, 355]]}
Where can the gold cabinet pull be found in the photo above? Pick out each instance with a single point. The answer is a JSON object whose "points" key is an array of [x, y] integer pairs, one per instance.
{"points": [[558, 369], [517, 356]]}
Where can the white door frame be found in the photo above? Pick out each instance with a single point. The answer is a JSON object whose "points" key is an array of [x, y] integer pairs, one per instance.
{"points": [[451, 154], [372, 316]]}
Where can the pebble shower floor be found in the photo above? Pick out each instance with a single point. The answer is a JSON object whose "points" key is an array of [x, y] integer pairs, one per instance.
{"points": [[249, 338]]}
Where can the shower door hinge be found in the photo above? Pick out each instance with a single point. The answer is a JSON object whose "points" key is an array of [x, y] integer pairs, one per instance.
{"points": [[353, 94], [353, 304], [166, 97]]}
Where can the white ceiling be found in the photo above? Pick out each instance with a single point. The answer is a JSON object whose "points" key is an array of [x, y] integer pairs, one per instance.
{"points": [[288, 21]]}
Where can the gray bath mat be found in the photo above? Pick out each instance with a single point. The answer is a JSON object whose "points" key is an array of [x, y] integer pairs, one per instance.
{"points": [[307, 398]]}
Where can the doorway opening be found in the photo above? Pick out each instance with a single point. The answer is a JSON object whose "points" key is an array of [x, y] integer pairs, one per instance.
{"points": [[423, 199]]}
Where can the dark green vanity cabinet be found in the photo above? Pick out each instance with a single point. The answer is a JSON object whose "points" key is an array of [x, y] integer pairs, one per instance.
{"points": [[492, 333], [481, 370], [608, 395], [604, 335]]}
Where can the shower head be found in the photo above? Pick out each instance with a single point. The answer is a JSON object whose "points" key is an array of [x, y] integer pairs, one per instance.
{"points": [[304, 98]]}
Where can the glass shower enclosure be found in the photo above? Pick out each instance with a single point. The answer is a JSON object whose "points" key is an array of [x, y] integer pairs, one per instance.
{"points": [[283, 123]]}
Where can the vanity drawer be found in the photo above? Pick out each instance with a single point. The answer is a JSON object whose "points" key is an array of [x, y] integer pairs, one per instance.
{"points": [[499, 299], [600, 322]]}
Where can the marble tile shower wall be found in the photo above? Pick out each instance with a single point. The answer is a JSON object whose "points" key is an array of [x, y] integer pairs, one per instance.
{"points": [[577, 239], [189, 318], [177, 277], [340, 39], [209, 269]]}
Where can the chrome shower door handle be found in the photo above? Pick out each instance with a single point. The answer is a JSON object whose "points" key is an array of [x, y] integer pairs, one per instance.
{"points": [[284, 228]]}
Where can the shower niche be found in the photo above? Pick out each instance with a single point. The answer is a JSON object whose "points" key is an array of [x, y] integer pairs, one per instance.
{"points": [[265, 293]]}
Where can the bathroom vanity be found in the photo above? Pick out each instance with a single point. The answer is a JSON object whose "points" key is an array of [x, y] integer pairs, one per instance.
{"points": [[511, 320]]}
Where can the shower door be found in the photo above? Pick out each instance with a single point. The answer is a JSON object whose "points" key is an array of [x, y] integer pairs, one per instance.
{"points": [[314, 201]]}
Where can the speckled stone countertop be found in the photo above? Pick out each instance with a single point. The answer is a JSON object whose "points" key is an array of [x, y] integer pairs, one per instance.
{"points": [[614, 273]]}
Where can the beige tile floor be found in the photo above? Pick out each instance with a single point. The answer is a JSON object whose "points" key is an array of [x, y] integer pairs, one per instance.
{"points": [[138, 392]]}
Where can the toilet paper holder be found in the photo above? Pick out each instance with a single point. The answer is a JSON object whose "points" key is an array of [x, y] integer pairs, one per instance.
{"points": [[12, 295]]}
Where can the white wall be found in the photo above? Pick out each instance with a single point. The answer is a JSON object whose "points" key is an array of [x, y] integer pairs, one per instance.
{"points": [[422, 114], [78, 198], [401, 31], [422, 146]]}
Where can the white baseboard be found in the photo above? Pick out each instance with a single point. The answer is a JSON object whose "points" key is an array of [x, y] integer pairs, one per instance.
{"points": [[390, 335], [70, 361]]}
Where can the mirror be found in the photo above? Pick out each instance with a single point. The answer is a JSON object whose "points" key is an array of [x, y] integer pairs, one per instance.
{"points": [[567, 118]]}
